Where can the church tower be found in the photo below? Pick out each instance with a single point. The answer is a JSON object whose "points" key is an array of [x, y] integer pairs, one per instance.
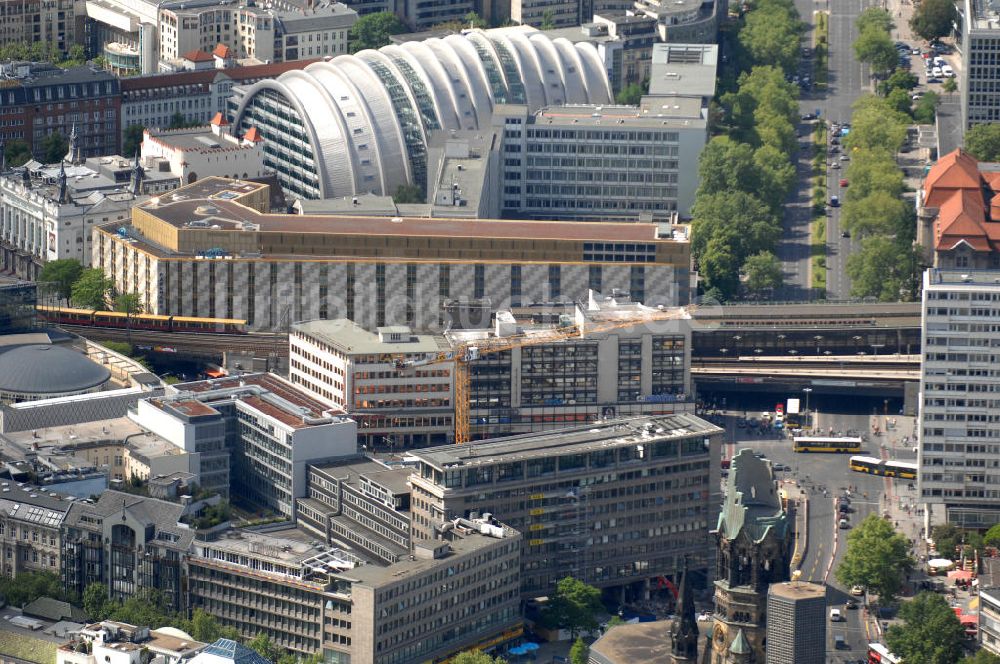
{"points": [[754, 550], [684, 627]]}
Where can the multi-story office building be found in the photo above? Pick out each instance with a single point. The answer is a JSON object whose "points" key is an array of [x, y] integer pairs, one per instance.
{"points": [[796, 623], [958, 407], [685, 21], [455, 592], [276, 268], [55, 22], [48, 211], [30, 520], [977, 35], [265, 34], [623, 41], [129, 543], [358, 125], [614, 503], [270, 429], [40, 99], [989, 607], [152, 101], [638, 367], [350, 368], [360, 502]]}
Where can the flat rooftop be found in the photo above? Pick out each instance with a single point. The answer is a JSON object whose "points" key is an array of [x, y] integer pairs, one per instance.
{"points": [[796, 590], [575, 440], [683, 69], [395, 480], [73, 437], [287, 392], [642, 643], [194, 139], [348, 337], [216, 198], [973, 279], [652, 112]]}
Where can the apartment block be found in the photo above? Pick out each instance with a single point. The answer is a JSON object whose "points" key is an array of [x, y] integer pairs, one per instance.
{"points": [[255, 435], [958, 404], [685, 21], [615, 503], [40, 99], [30, 522], [129, 543], [56, 22], [309, 597], [275, 268]]}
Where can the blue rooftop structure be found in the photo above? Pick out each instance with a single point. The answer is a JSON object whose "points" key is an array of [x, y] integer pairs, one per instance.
{"points": [[227, 650]]}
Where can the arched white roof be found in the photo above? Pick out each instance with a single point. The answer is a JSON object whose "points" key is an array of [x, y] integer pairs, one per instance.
{"points": [[366, 116]]}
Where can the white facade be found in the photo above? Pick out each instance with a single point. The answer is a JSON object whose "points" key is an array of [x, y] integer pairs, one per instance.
{"points": [[203, 151], [959, 456], [977, 36], [359, 123]]}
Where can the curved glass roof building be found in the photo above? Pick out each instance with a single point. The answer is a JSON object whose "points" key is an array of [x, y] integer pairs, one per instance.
{"points": [[358, 123]]}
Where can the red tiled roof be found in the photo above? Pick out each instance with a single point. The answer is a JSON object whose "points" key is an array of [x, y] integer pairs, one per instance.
{"points": [[222, 51], [197, 56], [955, 170], [962, 217], [220, 120], [205, 76], [253, 135]]}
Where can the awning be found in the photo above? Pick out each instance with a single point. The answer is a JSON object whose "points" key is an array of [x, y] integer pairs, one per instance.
{"points": [[940, 563], [212, 373], [960, 575], [969, 619]]}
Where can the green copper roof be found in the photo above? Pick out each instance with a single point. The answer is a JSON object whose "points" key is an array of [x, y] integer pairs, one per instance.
{"points": [[752, 500], [740, 644]]}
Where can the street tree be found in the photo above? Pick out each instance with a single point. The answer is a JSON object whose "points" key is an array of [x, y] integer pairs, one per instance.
{"points": [[63, 273], [930, 633], [899, 101], [95, 601], [875, 47], [877, 557], [775, 175], [264, 647], [29, 586], [992, 536], [898, 80], [950, 86], [128, 303], [874, 17], [92, 290], [885, 268], [775, 131], [206, 628], [726, 165], [875, 125], [873, 170], [763, 272], [374, 31], [933, 19], [476, 657], [738, 220], [574, 606], [631, 94], [925, 109], [717, 265], [981, 657], [879, 213], [771, 35], [982, 141], [579, 653]]}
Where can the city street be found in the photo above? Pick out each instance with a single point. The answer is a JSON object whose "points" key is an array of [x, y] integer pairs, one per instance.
{"points": [[823, 477]]}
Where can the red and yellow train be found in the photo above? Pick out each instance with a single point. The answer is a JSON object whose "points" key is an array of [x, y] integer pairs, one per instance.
{"points": [[119, 319]]}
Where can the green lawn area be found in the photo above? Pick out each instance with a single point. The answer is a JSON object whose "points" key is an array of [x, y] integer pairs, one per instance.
{"points": [[26, 647], [817, 246], [821, 37]]}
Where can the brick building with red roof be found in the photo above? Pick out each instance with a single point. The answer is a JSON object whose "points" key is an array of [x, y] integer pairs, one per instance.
{"points": [[959, 213]]}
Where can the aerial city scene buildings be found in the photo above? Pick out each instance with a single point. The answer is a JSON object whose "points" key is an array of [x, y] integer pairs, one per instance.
{"points": [[589, 331]]}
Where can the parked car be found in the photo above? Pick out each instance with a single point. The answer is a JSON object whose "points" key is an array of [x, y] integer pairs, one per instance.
{"points": [[843, 182], [834, 201], [947, 71], [846, 234], [835, 165], [857, 591], [850, 605], [836, 615]]}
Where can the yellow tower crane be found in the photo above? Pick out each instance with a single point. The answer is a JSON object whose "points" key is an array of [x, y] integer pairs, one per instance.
{"points": [[463, 353]]}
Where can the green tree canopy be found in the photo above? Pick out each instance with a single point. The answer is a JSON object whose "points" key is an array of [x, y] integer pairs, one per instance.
{"points": [[16, 152], [981, 657], [206, 628], [129, 303], [133, 140], [930, 633], [885, 268], [763, 272], [879, 213], [898, 80], [408, 193], [737, 218], [92, 289], [982, 141], [925, 109], [63, 273], [26, 587], [775, 176], [631, 94], [933, 19], [899, 100], [874, 18], [574, 606], [476, 657], [877, 557], [771, 35], [875, 125], [950, 86], [875, 47], [54, 148], [992, 536], [264, 647], [95, 601], [726, 165], [874, 170], [374, 31], [579, 653]]}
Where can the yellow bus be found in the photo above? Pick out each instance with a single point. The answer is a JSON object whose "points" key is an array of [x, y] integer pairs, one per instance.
{"points": [[838, 445]]}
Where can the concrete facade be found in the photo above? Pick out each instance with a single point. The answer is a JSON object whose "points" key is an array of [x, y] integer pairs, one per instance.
{"points": [[977, 36], [796, 623]]}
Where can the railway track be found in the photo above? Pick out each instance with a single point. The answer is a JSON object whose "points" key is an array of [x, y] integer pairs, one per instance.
{"points": [[199, 344]]}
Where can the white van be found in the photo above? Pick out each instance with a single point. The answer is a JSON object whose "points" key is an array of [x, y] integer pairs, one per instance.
{"points": [[836, 616], [947, 71], [936, 72], [939, 62]]}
